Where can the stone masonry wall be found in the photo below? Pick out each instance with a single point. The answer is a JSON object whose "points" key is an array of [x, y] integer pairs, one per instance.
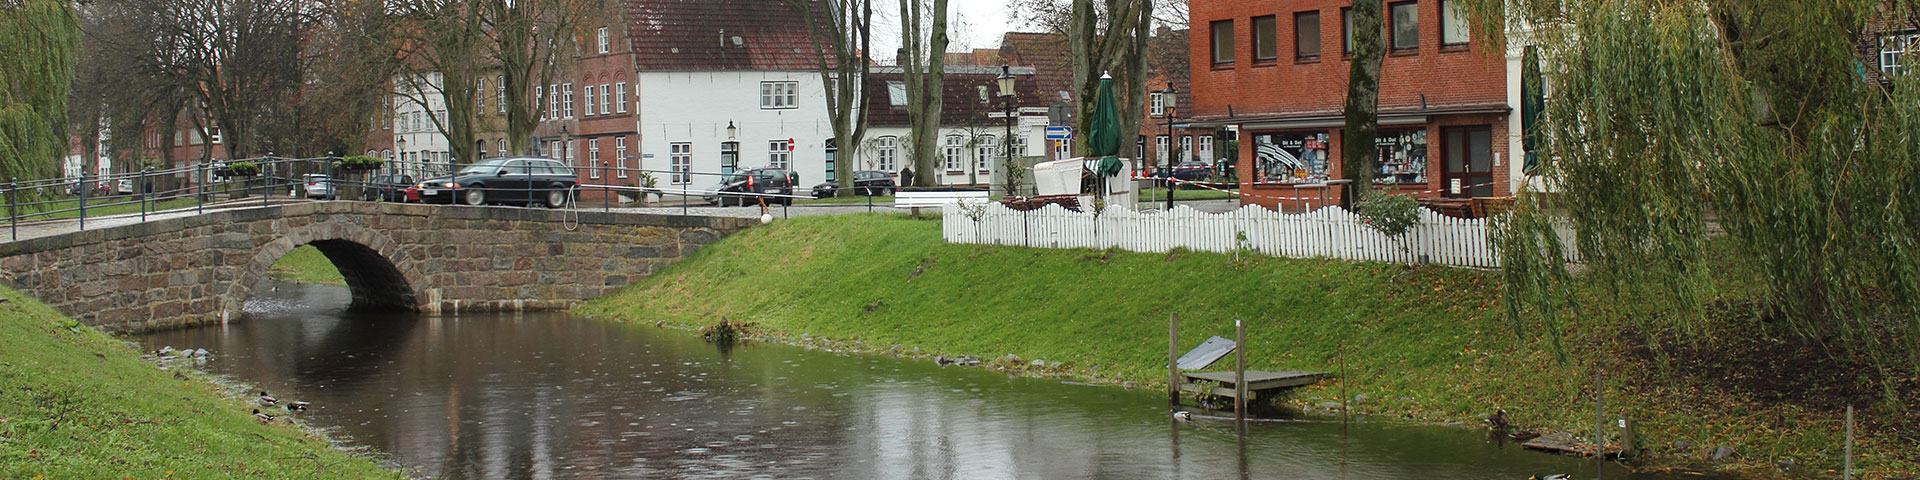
{"points": [[433, 259]]}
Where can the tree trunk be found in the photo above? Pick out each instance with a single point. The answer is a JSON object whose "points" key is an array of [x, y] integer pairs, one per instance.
{"points": [[1363, 103], [924, 64]]}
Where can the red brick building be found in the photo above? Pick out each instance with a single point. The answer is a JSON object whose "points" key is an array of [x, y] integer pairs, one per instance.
{"points": [[1277, 72]]}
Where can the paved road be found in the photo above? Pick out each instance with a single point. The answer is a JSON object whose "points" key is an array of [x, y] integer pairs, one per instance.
{"points": [[42, 228]]}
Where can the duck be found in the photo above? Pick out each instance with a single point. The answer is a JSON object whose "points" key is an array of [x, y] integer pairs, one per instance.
{"points": [[1557, 476], [1498, 420], [297, 406], [262, 416], [1183, 416], [267, 400]]}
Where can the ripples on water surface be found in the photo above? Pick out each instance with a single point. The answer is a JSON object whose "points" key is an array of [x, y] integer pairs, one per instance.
{"points": [[549, 395]]}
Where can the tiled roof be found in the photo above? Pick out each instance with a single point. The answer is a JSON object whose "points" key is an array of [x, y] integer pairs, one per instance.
{"points": [[961, 104], [978, 57], [718, 35], [1048, 54]]}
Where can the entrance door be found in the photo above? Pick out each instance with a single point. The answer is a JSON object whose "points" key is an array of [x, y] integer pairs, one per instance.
{"points": [[1469, 152]]}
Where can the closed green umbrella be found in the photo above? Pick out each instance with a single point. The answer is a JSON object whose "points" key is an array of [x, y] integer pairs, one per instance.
{"points": [[1103, 136], [1533, 102]]}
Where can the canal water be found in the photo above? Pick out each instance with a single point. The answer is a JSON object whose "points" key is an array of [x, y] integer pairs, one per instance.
{"points": [[550, 395]]}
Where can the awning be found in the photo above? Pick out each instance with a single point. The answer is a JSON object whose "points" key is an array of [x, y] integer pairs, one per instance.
{"points": [[1335, 119]]}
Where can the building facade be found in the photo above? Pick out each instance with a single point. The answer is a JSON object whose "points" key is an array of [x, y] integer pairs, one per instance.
{"points": [[1276, 72]]}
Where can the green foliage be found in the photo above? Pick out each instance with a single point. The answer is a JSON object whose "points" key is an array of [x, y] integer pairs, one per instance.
{"points": [[647, 180], [81, 404], [358, 162], [40, 38], [243, 169], [1763, 113], [1391, 215], [306, 264]]}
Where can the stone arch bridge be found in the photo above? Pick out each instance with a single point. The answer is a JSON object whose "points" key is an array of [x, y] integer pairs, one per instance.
{"points": [[200, 269]]}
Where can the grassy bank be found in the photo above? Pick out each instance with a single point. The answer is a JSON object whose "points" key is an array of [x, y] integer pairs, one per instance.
{"points": [[1427, 344], [306, 264], [77, 404]]}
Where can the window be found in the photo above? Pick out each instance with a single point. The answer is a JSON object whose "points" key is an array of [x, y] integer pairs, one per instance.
{"points": [[778, 153], [1223, 42], [1290, 157], [1306, 35], [1346, 31], [1159, 106], [606, 98], [1062, 149], [983, 153], [213, 134], [621, 94], [553, 150], [1186, 147], [1206, 148], [620, 156], [1160, 149], [589, 105], [480, 95], [682, 158], [500, 92], [1893, 52], [593, 156], [954, 153], [832, 167], [1139, 145], [777, 95], [602, 39], [1405, 17], [897, 93], [566, 100], [1266, 39], [1453, 23], [503, 146], [553, 101], [888, 149]]}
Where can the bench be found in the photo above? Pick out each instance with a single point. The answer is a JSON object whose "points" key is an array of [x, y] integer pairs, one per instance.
{"points": [[936, 199]]}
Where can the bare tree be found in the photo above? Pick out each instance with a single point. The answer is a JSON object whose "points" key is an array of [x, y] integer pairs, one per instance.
{"points": [[842, 33], [533, 41], [1106, 39], [923, 33], [440, 46]]}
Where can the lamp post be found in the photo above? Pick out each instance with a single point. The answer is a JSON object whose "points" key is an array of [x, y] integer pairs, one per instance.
{"points": [[401, 145], [730, 150], [1007, 95], [1167, 102]]}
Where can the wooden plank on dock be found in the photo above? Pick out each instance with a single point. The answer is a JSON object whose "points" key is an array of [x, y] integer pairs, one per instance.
{"points": [[1261, 379]]}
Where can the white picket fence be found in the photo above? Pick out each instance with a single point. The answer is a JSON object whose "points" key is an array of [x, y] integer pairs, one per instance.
{"points": [[1329, 232]]}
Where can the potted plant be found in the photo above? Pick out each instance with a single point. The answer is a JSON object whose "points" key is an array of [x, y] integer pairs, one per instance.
{"points": [[358, 163], [647, 183], [238, 169]]}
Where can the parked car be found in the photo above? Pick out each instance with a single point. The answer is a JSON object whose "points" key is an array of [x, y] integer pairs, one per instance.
{"points": [[521, 180], [865, 182], [123, 187], [1192, 171], [766, 180], [389, 188], [318, 185]]}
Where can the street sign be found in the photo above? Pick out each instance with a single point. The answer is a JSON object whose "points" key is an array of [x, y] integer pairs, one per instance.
{"points": [[1059, 132]]}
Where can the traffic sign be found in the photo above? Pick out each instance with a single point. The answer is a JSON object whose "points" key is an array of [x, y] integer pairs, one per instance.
{"points": [[1059, 132]]}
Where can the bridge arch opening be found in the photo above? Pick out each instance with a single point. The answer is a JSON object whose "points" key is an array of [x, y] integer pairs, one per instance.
{"points": [[377, 284]]}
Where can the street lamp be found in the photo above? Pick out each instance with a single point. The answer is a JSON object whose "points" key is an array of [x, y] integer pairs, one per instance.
{"points": [[401, 146], [730, 150], [1167, 102], [1007, 95]]}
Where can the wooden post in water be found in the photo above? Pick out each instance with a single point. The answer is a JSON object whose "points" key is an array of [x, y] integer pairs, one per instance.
{"points": [[1173, 356], [1240, 371]]}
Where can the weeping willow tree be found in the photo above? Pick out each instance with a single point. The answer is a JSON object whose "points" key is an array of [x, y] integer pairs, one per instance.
{"points": [[1765, 114], [40, 38]]}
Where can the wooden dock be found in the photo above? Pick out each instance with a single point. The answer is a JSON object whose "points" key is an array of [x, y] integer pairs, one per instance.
{"points": [[1260, 383]]}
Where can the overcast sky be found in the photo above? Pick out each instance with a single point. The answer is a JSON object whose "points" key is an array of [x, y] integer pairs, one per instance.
{"points": [[975, 24]]}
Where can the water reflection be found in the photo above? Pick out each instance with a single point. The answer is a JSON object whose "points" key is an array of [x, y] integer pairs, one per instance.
{"points": [[555, 396]]}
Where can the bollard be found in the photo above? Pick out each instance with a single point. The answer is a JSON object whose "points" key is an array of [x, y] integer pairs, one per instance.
{"points": [[200, 188], [145, 194], [83, 200], [1848, 475], [1240, 374]]}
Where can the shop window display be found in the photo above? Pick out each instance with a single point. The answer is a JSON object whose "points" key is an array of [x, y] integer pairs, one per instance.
{"points": [[1402, 156], [1290, 157]]}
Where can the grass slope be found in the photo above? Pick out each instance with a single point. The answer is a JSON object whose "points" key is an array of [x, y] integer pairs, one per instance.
{"points": [[306, 264], [1428, 344], [77, 404]]}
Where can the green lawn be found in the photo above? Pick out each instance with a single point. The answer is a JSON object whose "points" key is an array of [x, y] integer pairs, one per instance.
{"points": [[1427, 344], [1152, 193], [114, 205], [306, 264], [78, 404]]}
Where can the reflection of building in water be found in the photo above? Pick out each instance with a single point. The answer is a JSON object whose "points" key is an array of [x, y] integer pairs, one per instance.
{"points": [[1291, 157]]}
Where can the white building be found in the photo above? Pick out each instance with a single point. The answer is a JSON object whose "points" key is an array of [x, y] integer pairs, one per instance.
{"points": [[420, 148], [973, 118], [778, 119]]}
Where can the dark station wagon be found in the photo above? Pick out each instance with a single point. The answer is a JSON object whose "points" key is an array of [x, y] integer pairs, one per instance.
{"points": [[516, 180]]}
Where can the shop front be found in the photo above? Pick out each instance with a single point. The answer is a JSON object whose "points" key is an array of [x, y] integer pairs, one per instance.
{"points": [[1435, 157]]}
